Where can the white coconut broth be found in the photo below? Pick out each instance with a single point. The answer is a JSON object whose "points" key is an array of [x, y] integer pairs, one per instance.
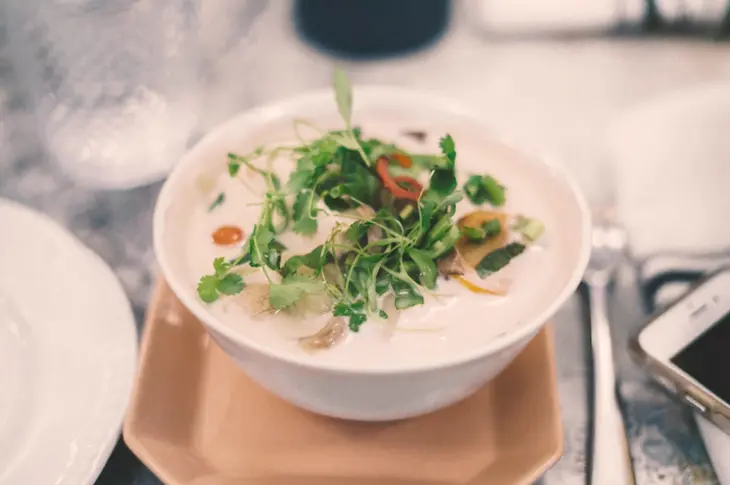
{"points": [[453, 320]]}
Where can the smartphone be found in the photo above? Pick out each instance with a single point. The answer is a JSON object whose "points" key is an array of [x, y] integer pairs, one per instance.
{"points": [[686, 348]]}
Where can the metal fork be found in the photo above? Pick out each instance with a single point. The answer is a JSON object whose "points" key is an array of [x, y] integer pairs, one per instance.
{"points": [[610, 458]]}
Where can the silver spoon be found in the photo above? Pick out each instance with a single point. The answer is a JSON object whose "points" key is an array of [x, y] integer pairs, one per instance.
{"points": [[611, 461]]}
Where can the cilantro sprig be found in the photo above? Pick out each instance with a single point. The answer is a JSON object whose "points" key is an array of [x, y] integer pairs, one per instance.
{"points": [[221, 282]]}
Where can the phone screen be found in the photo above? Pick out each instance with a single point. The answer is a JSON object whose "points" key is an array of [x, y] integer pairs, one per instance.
{"points": [[707, 359]]}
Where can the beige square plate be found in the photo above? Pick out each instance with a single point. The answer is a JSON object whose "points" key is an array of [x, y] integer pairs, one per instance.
{"points": [[196, 419]]}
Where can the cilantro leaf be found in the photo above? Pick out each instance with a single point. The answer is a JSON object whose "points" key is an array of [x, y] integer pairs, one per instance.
{"points": [[304, 213], [283, 296], [315, 259], [320, 152], [448, 148], [231, 284], [300, 179], [208, 288], [356, 320], [355, 311], [342, 309], [233, 168], [293, 288], [443, 179], [221, 266], [443, 182], [305, 226]]}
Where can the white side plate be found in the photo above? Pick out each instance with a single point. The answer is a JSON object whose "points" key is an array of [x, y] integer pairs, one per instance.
{"points": [[68, 352]]}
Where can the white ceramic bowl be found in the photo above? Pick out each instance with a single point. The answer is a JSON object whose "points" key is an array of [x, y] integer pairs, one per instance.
{"points": [[392, 387]]}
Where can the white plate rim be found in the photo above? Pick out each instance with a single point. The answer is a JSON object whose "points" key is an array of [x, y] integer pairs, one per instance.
{"points": [[90, 458]]}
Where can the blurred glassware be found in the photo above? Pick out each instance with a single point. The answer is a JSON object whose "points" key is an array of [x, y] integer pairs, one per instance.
{"points": [[115, 84], [601, 17], [371, 28], [554, 17], [253, 55], [224, 24]]}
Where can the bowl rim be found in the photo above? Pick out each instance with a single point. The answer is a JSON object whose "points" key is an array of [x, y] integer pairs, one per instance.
{"points": [[268, 112]]}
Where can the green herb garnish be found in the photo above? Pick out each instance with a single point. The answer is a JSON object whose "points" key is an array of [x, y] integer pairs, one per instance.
{"points": [[481, 189], [380, 245], [221, 282], [489, 229], [531, 229], [292, 288], [499, 258], [217, 202]]}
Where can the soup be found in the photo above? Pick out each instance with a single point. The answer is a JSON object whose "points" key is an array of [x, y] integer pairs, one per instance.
{"points": [[347, 244]]}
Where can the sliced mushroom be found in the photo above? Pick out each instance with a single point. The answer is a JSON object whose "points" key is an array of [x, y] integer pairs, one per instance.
{"points": [[451, 264], [328, 336]]}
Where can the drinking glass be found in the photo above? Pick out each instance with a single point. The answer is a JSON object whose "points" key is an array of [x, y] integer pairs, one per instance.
{"points": [[115, 84]]}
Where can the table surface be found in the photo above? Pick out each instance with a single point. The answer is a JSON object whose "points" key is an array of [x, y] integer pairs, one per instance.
{"points": [[555, 97]]}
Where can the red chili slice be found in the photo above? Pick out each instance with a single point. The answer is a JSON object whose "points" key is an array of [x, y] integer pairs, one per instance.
{"points": [[390, 183], [227, 235]]}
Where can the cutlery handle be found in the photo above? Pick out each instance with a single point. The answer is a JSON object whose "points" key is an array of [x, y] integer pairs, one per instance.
{"points": [[610, 458]]}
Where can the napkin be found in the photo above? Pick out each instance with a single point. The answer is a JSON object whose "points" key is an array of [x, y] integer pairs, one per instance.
{"points": [[672, 166]]}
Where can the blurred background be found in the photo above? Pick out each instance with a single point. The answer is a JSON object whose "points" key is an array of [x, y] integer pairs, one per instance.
{"points": [[100, 98]]}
